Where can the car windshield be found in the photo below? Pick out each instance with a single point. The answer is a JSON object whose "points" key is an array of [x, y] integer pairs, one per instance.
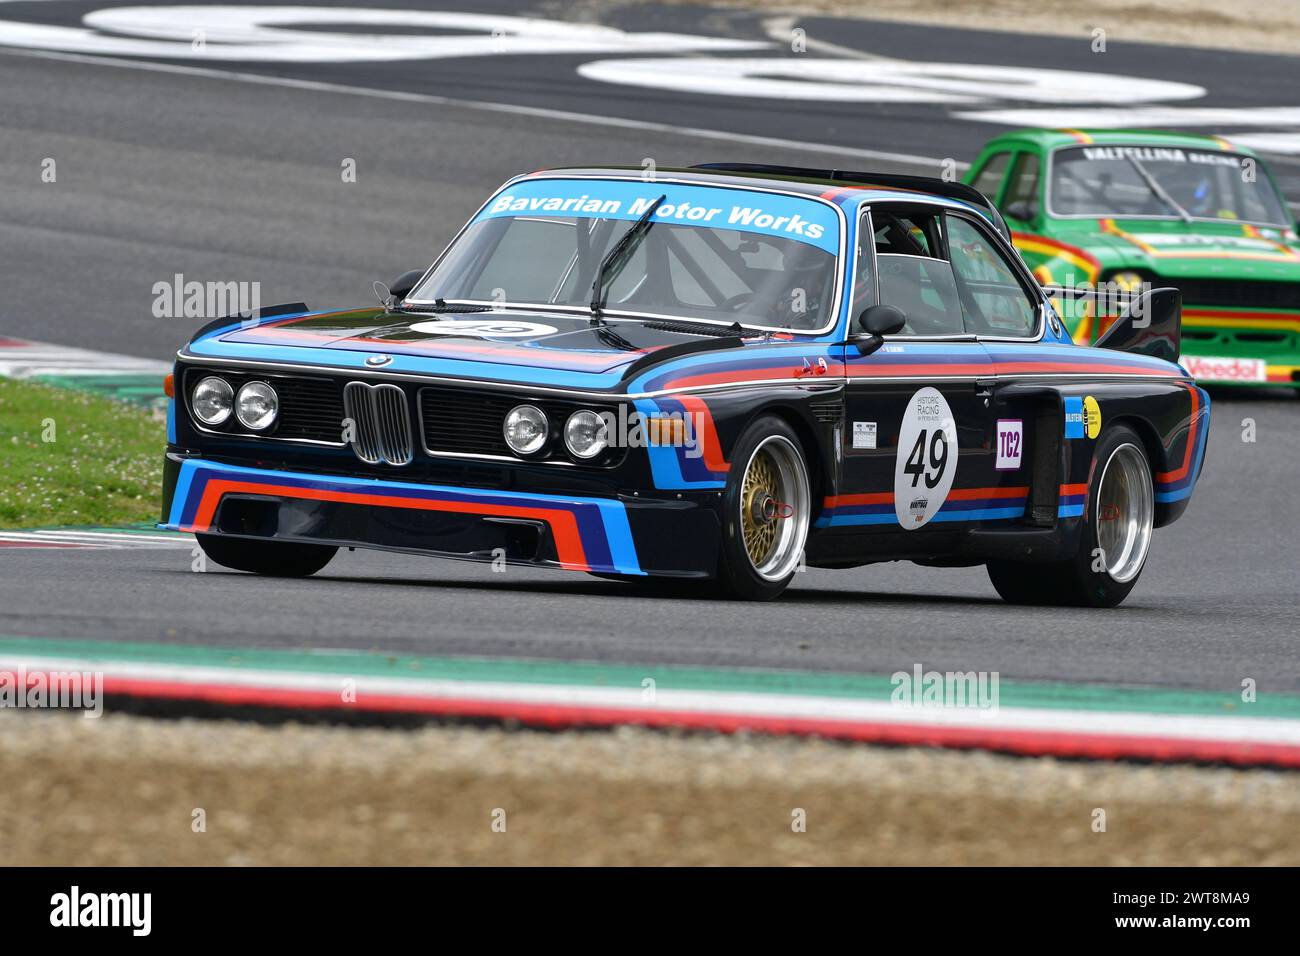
{"points": [[1162, 182], [764, 260]]}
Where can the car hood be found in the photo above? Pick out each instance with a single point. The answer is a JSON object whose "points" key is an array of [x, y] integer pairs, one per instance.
{"points": [[1196, 250], [544, 348]]}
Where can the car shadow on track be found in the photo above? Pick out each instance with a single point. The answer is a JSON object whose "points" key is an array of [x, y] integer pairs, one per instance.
{"points": [[692, 592]]}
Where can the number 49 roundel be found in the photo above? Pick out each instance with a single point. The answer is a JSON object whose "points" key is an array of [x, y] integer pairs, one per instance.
{"points": [[927, 459]]}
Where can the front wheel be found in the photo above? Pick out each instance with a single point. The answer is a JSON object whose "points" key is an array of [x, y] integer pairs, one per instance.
{"points": [[281, 559], [767, 512], [1119, 518]]}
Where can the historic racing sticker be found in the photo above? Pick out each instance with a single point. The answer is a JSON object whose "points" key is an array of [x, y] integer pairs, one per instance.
{"points": [[927, 459]]}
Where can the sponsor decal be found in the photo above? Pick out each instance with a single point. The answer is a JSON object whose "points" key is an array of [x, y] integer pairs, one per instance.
{"points": [[1161, 154], [485, 328], [864, 434], [1210, 369], [789, 217], [1091, 416], [1011, 442], [927, 459], [1074, 417]]}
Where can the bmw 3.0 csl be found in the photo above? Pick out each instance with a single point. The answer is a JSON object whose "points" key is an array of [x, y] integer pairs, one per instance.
{"points": [[726, 373]]}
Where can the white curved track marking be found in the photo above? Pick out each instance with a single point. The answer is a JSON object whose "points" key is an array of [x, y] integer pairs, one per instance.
{"points": [[267, 34], [875, 81], [96, 540]]}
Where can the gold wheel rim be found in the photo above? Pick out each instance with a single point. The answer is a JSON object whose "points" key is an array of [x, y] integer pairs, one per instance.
{"points": [[761, 485]]}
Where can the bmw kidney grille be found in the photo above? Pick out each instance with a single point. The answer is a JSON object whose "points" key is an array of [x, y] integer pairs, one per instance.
{"points": [[381, 423]]}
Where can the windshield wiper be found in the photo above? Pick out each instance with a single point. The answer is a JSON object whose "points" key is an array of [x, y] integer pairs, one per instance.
{"points": [[442, 305], [618, 257], [1159, 190]]}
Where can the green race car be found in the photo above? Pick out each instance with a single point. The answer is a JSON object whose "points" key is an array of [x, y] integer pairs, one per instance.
{"points": [[1114, 209]]}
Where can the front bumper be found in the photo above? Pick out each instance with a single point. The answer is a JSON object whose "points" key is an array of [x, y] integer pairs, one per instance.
{"points": [[628, 535], [1241, 346]]}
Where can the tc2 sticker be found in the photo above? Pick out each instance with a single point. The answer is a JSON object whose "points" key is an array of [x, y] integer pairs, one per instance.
{"points": [[1011, 442], [927, 459], [864, 434]]}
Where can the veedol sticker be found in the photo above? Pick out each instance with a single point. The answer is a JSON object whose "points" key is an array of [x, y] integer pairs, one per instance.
{"points": [[927, 459], [1211, 369], [485, 328], [1011, 440]]}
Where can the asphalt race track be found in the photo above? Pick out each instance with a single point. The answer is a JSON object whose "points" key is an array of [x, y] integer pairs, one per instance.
{"points": [[164, 171]]}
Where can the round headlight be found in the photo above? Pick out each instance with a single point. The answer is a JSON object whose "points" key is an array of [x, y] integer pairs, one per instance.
{"points": [[257, 406], [212, 400], [525, 429], [1127, 281], [585, 434]]}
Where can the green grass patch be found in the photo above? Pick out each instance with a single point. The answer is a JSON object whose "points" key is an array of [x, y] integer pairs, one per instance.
{"points": [[75, 458]]}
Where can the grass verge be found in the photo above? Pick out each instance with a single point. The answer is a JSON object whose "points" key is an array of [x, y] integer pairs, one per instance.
{"points": [[75, 458]]}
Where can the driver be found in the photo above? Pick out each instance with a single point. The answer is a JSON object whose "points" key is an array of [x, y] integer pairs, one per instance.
{"points": [[798, 303]]}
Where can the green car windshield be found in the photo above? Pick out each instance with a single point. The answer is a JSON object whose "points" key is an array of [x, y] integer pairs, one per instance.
{"points": [[1162, 182]]}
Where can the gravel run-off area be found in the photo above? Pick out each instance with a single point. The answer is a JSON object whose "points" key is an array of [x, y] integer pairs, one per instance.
{"points": [[131, 790]]}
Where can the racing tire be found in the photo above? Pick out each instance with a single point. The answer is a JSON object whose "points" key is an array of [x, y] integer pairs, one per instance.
{"points": [[767, 512], [1119, 518], [277, 559]]}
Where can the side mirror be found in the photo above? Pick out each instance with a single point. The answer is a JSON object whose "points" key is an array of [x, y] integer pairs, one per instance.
{"points": [[404, 283], [881, 320], [1023, 209]]}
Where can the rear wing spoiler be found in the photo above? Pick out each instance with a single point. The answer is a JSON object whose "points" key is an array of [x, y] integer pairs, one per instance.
{"points": [[923, 184], [1149, 323]]}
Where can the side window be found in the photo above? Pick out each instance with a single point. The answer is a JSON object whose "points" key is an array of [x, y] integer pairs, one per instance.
{"points": [[992, 298], [990, 177], [1021, 199], [914, 276]]}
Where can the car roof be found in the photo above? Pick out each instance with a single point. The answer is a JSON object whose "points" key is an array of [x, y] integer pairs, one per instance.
{"points": [[794, 179], [1049, 139]]}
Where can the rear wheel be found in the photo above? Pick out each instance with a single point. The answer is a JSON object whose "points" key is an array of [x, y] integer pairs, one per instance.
{"points": [[767, 512], [1119, 519], [282, 559]]}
